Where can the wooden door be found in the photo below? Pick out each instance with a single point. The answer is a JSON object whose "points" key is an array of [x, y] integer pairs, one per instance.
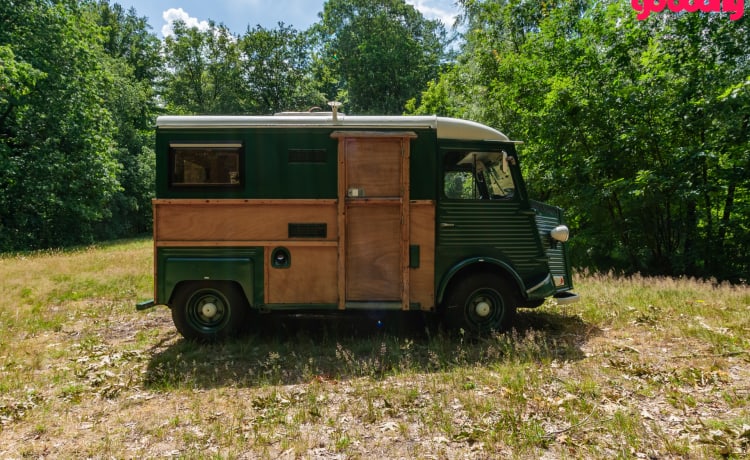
{"points": [[373, 219]]}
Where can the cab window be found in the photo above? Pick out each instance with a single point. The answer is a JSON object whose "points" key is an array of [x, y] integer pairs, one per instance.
{"points": [[478, 175]]}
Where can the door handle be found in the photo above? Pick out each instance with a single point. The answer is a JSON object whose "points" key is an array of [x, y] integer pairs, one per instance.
{"points": [[446, 225]]}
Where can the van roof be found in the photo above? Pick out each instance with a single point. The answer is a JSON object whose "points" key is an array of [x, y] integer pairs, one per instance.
{"points": [[446, 128]]}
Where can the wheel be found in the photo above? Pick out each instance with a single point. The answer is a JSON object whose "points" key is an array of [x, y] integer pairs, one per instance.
{"points": [[481, 303], [209, 311]]}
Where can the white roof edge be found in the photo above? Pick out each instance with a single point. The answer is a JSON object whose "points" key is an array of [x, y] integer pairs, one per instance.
{"points": [[446, 128], [454, 128]]}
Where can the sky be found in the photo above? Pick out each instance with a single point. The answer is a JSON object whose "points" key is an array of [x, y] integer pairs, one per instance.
{"points": [[239, 14]]}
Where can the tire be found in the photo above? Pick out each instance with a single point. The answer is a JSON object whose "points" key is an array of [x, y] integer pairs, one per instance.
{"points": [[481, 303], [209, 311]]}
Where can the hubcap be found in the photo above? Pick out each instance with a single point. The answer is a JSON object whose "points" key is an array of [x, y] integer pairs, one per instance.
{"points": [[209, 309], [483, 308]]}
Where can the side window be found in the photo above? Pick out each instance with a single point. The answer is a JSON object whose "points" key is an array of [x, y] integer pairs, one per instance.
{"points": [[459, 185], [205, 165], [478, 175]]}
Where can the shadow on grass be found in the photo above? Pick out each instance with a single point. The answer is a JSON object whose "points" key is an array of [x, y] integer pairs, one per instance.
{"points": [[304, 348]]}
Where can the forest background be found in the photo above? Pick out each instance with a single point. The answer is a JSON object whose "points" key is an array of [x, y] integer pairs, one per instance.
{"points": [[639, 129]]}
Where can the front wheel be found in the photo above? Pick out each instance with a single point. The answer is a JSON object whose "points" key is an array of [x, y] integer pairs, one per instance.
{"points": [[208, 311], [480, 304]]}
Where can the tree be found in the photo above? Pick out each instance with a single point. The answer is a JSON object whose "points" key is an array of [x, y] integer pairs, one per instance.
{"points": [[277, 70], [59, 162], [203, 75], [261, 72], [638, 128], [383, 52], [135, 63]]}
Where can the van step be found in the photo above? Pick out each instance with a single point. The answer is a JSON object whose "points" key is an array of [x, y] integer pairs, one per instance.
{"points": [[395, 305]]}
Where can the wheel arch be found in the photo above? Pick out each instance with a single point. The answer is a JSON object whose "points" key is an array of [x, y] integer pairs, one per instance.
{"points": [[474, 265], [235, 284]]}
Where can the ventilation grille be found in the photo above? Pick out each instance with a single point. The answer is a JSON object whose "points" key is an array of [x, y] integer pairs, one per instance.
{"points": [[307, 156], [308, 230]]}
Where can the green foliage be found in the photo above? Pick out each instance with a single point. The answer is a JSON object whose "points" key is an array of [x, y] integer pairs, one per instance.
{"points": [[56, 138], [215, 72], [639, 129], [374, 56], [76, 97], [17, 79], [135, 61], [382, 52], [204, 74], [277, 69]]}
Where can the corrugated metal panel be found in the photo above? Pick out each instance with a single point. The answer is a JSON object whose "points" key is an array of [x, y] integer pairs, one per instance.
{"points": [[495, 225], [549, 217]]}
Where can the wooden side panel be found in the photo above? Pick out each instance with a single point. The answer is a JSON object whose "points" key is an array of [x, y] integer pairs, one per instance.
{"points": [[310, 278], [374, 166], [373, 253], [422, 279], [240, 220]]}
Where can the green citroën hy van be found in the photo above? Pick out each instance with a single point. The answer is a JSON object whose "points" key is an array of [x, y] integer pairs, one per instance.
{"points": [[303, 212]]}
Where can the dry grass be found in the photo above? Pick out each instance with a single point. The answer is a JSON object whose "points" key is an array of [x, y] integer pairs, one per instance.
{"points": [[640, 368]]}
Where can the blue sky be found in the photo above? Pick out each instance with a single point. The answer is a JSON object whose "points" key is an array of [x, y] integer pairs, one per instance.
{"points": [[239, 14]]}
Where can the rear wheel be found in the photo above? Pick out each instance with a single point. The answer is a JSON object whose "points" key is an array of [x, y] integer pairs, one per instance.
{"points": [[209, 311], [481, 303]]}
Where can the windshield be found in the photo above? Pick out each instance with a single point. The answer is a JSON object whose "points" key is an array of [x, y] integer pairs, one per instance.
{"points": [[478, 175]]}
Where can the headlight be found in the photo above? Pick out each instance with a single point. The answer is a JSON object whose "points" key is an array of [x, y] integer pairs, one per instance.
{"points": [[560, 233]]}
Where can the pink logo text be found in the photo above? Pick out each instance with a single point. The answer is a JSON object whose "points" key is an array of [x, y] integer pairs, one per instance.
{"points": [[646, 7]]}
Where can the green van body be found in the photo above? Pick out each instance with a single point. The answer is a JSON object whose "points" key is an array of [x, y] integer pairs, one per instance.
{"points": [[296, 157]]}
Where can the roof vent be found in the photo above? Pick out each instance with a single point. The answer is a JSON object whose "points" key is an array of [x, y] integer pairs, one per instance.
{"points": [[335, 107]]}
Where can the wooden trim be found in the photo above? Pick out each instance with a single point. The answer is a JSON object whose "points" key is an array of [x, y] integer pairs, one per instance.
{"points": [[244, 201], [405, 224], [205, 145], [422, 279], [341, 268], [266, 274], [246, 243], [373, 202], [373, 134], [155, 258]]}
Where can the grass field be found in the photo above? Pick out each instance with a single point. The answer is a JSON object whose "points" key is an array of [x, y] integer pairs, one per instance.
{"points": [[639, 368]]}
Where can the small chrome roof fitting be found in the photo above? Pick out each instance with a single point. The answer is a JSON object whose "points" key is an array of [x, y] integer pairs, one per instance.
{"points": [[335, 108]]}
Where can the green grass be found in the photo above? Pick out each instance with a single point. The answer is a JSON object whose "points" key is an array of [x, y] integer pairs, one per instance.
{"points": [[641, 367]]}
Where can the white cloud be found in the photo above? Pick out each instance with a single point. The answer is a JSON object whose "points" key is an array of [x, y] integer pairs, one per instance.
{"points": [[443, 11], [178, 14]]}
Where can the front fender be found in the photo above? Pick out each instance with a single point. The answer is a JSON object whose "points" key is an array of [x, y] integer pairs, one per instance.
{"points": [[477, 262]]}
